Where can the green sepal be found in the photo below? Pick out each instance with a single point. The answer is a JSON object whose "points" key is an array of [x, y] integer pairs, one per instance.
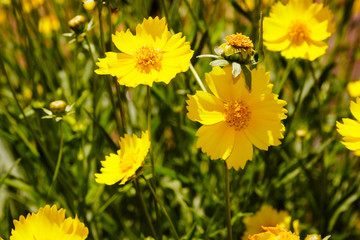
{"points": [[220, 62], [247, 75], [236, 69]]}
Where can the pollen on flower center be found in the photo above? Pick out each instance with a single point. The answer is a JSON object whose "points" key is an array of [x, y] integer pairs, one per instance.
{"points": [[237, 114], [147, 58], [128, 162], [239, 41], [298, 32]]}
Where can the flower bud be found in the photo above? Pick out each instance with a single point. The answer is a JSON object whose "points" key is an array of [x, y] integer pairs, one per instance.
{"points": [[58, 106], [301, 133], [77, 23], [89, 4], [238, 48], [313, 237]]}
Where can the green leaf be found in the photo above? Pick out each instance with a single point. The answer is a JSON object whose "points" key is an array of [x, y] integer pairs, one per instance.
{"points": [[247, 75], [2, 180]]}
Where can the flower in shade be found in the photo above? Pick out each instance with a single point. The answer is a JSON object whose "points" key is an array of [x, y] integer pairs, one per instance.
{"points": [[249, 5], [298, 29], [47, 24], [234, 118], [152, 55], [353, 89], [274, 233], [123, 165], [350, 129], [48, 223], [266, 216]]}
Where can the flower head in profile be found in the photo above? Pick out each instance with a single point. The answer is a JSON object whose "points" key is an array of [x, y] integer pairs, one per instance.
{"points": [[266, 216], [235, 118], [350, 129], [48, 223], [274, 233], [152, 55], [298, 29], [353, 89], [123, 165]]}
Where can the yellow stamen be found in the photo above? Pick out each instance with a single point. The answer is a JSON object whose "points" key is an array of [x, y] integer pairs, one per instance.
{"points": [[239, 41], [237, 114], [147, 58], [298, 32]]}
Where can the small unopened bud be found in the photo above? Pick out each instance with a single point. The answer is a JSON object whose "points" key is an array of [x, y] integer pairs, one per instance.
{"points": [[301, 133], [58, 105], [238, 48], [77, 23], [313, 237], [89, 4]]}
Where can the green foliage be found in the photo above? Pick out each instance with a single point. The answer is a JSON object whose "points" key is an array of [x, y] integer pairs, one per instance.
{"points": [[314, 177]]}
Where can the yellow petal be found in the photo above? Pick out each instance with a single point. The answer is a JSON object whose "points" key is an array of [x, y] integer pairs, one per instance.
{"points": [[241, 152], [205, 108], [216, 140]]}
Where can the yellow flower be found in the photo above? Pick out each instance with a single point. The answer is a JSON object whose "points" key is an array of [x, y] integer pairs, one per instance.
{"points": [[234, 118], [89, 4], [48, 223], [47, 24], [298, 29], [274, 233], [249, 5], [350, 129], [266, 216], [354, 88], [124, 164], [152, 55]]}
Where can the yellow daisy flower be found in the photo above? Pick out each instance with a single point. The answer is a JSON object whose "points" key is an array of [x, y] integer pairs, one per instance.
{"points": [[234, 118], [48, 223], [47, 24], [152, 55], [274, 233], [266, 216], [124, 164], [298, 29], [353, 89], [350, 129]]}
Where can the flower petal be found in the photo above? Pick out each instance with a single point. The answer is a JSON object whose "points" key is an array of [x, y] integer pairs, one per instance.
{"points": [[241, 152]]}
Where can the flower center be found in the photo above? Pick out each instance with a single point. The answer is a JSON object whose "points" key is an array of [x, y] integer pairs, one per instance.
{"points": [[128, 162], [237, 114], [239, 41], [147, 58], [298, 32]]}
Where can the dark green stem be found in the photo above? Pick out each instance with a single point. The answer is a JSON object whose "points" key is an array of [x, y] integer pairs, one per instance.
{"points": [[58, 163], [228, 206], [147, 215], [163, 209], [287, 71]]}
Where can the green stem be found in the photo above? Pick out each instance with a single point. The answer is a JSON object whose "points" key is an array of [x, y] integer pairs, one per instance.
{"points": [[228, 206], [118, 120], [166, 12], [58, 163], [287, 71], [147, 215], [162, 208], [197, 78], [152, 156]]}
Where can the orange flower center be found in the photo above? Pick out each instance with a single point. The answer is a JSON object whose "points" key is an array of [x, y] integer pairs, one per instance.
{"points": [[128, 162], [239, 41], [237, 114], [147, 58], [298, 32]]}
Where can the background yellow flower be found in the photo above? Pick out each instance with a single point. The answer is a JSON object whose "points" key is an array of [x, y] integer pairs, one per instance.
{"points": [[152, 55], [298, 29], [275, 233], [124, 164], [48, 223], [353, 88], [350, 129], [234, 118], [266, 216]]}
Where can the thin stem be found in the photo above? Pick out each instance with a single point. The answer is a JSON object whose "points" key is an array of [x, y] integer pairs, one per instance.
{"points": [[108, 78], [228, 206], [166, 13], [152, 156], [287, 71], [147, 215], [197, 78], [58, 163], [162, 208]]}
